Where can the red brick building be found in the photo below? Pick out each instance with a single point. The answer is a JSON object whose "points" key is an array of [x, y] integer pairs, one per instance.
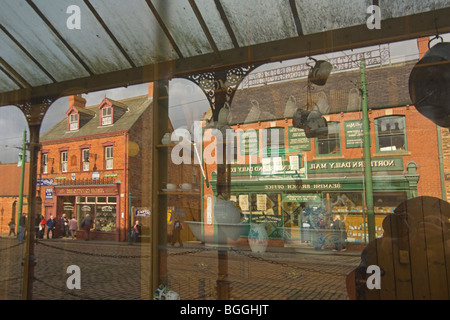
{"points": [[10, 194], [405, 150], [94, 159]]}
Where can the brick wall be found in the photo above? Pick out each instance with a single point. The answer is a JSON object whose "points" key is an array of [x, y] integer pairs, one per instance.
{"points": [[8, 210]]}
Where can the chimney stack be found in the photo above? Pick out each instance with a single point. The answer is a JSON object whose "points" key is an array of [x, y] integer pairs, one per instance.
{"points": [[422, 44], [150, 89], [77, 101]]}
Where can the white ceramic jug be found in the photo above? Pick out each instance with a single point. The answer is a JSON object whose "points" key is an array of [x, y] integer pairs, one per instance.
{"points": [[258, 238]]}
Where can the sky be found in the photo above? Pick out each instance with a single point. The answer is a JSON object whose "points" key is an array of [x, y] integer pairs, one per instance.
{"points": [[185, 100]]}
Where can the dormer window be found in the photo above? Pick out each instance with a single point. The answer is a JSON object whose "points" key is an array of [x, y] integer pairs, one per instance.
{"points": [[111, 111], [73, 122], [106, 116]]}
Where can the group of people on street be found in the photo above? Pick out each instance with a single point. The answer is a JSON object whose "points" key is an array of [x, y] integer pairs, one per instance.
{"points": [[334, 232], [68, 227]]}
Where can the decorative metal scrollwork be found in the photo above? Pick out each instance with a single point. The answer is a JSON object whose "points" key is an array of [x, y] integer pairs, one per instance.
{"points": [[220, 85], [35, 110]]}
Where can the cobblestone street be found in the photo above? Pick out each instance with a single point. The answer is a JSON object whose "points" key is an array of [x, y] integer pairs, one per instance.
{"points": [[116, 271]]}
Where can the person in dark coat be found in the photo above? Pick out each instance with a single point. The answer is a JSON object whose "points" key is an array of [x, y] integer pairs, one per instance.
{"points": [[87, 224], [51, 224], [339, 233], [176, 236]]}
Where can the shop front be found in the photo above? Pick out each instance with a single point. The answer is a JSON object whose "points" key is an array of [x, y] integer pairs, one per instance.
{"points": [[295, 207], [100, 202]]}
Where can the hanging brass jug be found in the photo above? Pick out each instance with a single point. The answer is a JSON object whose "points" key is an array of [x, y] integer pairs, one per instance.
{"points": [[429, 85], [320, 72]]}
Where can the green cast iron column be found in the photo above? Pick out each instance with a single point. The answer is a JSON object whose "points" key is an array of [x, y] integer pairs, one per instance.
{"points": [[367, 157], [23, 161]]}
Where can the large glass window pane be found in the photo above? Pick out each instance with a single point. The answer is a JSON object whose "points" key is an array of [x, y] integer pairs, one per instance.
{"points": [[332, 143], [391, 134]]}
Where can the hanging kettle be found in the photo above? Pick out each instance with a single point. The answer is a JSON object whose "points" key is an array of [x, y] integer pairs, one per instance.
{"points": [[320, 72], [429, 84]]}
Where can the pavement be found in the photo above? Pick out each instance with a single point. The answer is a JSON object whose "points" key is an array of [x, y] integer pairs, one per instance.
{"points": [[120, 271]]}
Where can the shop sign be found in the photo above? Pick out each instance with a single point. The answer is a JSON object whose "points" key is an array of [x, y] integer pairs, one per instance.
{"points": [[95, 175], [142, 212], [44, 182], [304, 186], [297, 139], [350, 165], [85, 190], [107, 209], [305, 197], [248, 142], [271, 166], [48, 193], [353, 133]]}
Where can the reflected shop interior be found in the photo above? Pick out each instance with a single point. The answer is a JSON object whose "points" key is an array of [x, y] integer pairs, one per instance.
{"points": [[224, 150]]}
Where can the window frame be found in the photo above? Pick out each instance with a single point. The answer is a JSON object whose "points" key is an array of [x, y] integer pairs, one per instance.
{"points": [[64, 157], [83, 160], [267, 141], [44, 163], [109, 159], [75, 123], [329, 139], [390, 135], [108, 116]]}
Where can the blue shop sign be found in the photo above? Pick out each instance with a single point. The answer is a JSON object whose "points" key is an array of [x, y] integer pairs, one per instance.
{"points": [[48, 194], [44, 182], [142, 212]]}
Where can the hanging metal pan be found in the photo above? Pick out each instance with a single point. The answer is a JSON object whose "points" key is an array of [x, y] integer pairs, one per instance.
{"points": [[429, 85]]}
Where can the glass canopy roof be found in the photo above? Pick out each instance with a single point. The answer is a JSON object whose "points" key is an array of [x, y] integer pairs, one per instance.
{"points": [[40, 47]]}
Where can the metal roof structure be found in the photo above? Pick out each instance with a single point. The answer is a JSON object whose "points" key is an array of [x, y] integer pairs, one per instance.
{"points": [[65, 47]]}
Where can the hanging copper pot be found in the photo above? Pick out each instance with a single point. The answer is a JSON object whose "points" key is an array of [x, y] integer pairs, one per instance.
{"points": [[320, 72], [429, 85]]}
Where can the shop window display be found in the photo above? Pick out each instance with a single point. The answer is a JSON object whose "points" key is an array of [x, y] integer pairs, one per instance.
{"points": [[101, 209]]}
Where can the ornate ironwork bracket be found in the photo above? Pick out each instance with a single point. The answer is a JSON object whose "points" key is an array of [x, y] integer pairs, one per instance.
{"points": [[219, 86], [35, 109]]}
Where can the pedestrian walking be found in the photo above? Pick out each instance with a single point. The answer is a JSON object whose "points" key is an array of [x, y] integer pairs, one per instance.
{"points": [[42, 225], [22, 226], [176, 235], [86, 224], [37, 222], [12, 228], [73, 227], [339, 233], [136, 231], [64, 226], [51, 224]]}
